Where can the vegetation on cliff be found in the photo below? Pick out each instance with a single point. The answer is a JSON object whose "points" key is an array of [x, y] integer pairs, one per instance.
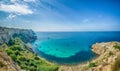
{"points": [[27, 60], [6, 63]]}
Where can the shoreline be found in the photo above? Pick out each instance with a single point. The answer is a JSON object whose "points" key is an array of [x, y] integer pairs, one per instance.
{"points": [[103, 50], [59, 63]]}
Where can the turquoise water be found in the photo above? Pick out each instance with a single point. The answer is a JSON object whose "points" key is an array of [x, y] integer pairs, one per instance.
{"points": [[70, 47]]}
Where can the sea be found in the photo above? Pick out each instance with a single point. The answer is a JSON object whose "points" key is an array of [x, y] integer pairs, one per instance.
{"points": [[70, 47]]}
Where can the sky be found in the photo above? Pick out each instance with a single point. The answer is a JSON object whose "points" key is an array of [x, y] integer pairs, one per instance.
{"points": [[61, 15]]}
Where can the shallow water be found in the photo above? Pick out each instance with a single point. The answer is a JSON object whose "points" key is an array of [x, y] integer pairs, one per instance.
{"points": [[70, 47]]}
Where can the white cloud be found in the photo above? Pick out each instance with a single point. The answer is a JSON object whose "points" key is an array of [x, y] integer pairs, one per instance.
{"points": [[16, 8], [11, 16], [30, 0], [13, 1]]}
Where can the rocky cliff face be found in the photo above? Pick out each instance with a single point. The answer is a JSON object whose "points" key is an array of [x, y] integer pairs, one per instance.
{"points": [[7, 34]]}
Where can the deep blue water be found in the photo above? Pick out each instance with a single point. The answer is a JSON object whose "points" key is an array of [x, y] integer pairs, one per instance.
{"points": [[70, 47]]}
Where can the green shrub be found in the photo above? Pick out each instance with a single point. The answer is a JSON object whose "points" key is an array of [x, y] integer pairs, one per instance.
{"points": [[13, 56], [17, 52], [21, 58], [9, 51], [117, 47], [17, 41], [110, 53], [16, 47], [37, 58], [92, 65]]}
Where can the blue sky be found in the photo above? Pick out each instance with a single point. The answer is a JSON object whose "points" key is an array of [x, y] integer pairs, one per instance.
{"points": [[61, 15]]}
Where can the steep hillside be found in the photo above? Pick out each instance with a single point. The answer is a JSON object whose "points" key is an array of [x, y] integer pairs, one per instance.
{"points": [[27, 60], [6, 63], [17, 55]]}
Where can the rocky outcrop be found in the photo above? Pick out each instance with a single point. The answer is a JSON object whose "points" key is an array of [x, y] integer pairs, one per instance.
{"points": [[108, 55], [7, 34]]}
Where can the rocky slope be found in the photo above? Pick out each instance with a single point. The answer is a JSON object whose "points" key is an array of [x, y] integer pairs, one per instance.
{"points": [[108, 59], [6, 63]]}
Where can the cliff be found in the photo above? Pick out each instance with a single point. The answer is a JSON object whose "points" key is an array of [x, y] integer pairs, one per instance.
{"points": [[108, 59], [7, 34]]}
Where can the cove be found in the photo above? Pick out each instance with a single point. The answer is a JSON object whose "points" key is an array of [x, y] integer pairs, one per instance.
{"points": [[70, 47]]}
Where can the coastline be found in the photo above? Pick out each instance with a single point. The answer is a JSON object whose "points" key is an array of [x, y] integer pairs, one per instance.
{"points": [[84, 66], [100, 61], [108, 59]]}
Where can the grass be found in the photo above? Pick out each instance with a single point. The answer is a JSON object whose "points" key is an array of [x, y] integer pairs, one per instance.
{"points": [[26, 59]]}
